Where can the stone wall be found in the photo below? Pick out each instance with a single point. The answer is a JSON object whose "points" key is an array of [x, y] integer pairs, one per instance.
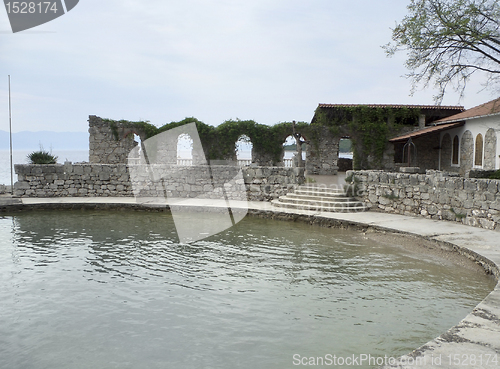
{"points": [[268, 183], [466, 153], [425, 153], [490, 149], [95, 180], [427, 148], [58, 180], [434, 195], [104, 148], [322, 154]]}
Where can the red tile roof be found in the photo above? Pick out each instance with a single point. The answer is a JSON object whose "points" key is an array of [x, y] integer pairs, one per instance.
{"points": [[426, 131], [489, 108], [393, 106]]}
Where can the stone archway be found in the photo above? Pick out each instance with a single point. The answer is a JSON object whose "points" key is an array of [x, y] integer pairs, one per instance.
{"points": [[244, 150], [466, 152], [288, 152], [446, 152], [289, 156], [490, 149], [184, 149]]}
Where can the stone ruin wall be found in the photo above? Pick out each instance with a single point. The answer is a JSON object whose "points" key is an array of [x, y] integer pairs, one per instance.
{"points": [[323, 154], [104, 148], [108, 173]]}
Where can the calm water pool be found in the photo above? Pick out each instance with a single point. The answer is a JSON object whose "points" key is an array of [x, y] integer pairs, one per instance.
{"points": [[87, 289]]}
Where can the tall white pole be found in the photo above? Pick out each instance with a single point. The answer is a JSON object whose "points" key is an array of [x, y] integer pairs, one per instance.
{"points": [[10, 134]]}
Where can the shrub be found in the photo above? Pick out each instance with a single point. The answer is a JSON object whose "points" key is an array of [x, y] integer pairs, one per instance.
{"points": [[495, 175], [42, 157], [352, 188]]}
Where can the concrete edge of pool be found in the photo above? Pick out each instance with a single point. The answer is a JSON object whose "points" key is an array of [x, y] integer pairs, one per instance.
{"points": [[473, 343]]}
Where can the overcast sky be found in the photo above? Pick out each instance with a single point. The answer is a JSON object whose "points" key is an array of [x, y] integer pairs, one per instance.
{"points": [[164, 60]]}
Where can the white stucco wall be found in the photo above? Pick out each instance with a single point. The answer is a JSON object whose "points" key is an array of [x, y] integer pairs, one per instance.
{"points": [[476, 126]]}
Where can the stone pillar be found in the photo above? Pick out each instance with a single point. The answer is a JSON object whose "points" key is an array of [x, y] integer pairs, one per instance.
{"points": [[466, 153], [162, 149], [490, 149], [322, 156], [421, 121]]}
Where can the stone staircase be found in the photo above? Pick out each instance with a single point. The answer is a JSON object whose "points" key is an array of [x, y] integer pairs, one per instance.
{"points": [[317, 198]]}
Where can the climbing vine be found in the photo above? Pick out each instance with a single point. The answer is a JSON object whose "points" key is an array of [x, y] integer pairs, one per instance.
{"points": [[368, 127], [219, 142]]}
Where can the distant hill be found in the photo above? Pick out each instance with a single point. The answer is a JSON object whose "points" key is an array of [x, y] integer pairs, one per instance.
{"points": [[27, 140]]}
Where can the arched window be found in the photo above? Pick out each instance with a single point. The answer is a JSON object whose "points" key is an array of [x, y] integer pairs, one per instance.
{"points": [[345, 148], [290, 151], [244, 149], [478, 154], [184, 150], [455, 151]]}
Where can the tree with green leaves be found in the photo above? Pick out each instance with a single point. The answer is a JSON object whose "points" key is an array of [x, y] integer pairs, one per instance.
{"points": [[448, 41]]}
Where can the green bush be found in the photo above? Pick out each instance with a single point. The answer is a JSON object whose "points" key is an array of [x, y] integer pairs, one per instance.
{"points": [[495, 175], [351, 188], [42, 157]]}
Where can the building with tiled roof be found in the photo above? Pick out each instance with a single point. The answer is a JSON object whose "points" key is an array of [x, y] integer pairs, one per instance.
{"points": [[482, 111], [390, 120], [465, 141], [430, 113], [473, 144]]}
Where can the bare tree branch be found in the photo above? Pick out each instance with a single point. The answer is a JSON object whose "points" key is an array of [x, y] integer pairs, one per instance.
{"points": [[449, 40]]}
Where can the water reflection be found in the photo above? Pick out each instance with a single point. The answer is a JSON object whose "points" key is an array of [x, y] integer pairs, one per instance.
{"points": [[116, 289]]}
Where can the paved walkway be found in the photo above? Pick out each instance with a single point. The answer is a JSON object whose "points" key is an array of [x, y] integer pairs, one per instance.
{"points": [[478, 334]]}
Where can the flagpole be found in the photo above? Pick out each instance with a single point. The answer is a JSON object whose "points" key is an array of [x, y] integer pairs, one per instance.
{"points": [[10, 134]]}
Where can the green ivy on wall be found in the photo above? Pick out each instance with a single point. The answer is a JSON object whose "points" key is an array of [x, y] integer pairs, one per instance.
{"points": [[219, 142], [368, 127]]}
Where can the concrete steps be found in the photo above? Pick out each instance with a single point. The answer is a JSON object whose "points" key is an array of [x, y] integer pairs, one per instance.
{"points": [[317, 198]]}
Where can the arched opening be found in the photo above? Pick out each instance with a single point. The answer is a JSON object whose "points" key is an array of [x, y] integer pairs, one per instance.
{"points": [[346, 155], [184, 150], [455, 151], [136, 154], [140, 148], [478, 152], [290, 152], [345, 148], [289, 149], [244, 149], [137, 139]]}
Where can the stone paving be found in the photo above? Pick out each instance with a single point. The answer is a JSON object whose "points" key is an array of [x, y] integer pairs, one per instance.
{"points": [[470, 344]]}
